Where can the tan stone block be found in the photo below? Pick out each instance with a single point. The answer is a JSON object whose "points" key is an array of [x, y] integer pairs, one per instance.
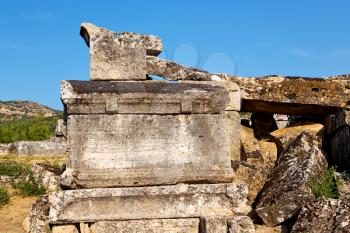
{"points": [[64, 229]]}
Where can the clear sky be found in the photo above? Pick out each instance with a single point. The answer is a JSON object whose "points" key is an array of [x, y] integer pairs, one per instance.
{"points": [[40, 43]]}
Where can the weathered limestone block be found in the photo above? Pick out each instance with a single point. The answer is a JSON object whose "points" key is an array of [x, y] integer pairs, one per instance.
{"points": [[287, 189], [152, 202], [84, 97], [39, 215], [281, 120], [85, 227], [232, 88], [38, 148], [292, 95], [64, 229], [48, 176], [5, 148], [213, 225], [116, 56], [285, 136], [257, 161], [188, 225], [323, 215], [241, 224], [134, 150]]}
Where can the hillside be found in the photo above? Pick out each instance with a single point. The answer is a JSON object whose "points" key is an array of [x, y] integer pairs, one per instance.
{"points": [[26, 121], [10, 110]]}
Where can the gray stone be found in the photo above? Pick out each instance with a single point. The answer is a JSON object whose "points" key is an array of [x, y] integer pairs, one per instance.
{"points": [[39, 215], [281, 120], [153, 202], [136, 150], [322, 216], [241, 224], [116, 56], [84, 97], [188, 225], [287, 189], [5, 148], [213, 225]]}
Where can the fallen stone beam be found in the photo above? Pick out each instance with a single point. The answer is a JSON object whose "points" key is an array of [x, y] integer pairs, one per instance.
{"points": [[173, 71], [156, 202], [292, 95]]}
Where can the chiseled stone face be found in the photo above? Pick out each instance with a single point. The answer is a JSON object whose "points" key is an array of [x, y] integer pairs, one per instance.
{"points": [[152, 202], [135, 150]]}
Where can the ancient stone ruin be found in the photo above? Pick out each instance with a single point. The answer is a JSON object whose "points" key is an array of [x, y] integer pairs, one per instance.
{"points": [[159, 156]]}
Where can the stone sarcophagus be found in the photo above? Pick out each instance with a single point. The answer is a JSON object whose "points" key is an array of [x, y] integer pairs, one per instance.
{"points": [[143, 155], [148, 133]]}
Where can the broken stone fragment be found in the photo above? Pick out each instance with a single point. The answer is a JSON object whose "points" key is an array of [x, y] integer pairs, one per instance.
{"points": [[39, 215], [276, 229], [171, 201], [48, 176], [287, 190], [323, 215], [285, 136], [118, 56]]}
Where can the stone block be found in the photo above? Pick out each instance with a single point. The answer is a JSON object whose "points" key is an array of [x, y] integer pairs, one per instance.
{"points": [[241, 224], [135, 150], [152, 202], [84, 97], [118, 56], [64, 229], [189, 225]]}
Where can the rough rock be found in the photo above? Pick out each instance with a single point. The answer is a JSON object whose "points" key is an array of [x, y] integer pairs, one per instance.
{"points": [[188, 225], [65, 229], [38, 148], [213, 225], [83, 97], [343, 184], [263, 123], [266, 229], [85, 228], [39, 215], [257, 160], [152, 202], [284, 137], [281, 120], [292, 95], [5, 148], [135, 150], [26, 225], [322, 216], [287, 189], [241, 224], [48, 176], [118, 56]]}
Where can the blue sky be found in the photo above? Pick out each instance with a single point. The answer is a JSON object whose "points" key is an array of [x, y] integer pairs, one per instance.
{"points": [[40, 43]]}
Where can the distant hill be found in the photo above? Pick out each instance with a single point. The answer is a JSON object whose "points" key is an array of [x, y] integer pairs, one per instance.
{"points": [[26, 121], [10, 110]]}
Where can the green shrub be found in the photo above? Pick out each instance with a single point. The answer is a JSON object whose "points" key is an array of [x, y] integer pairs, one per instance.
{"points": [[4, 196], [14, 169], [28, 129], [29, 188], [326, 185]]}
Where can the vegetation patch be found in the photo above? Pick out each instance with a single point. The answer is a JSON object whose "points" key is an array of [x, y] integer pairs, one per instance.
{"points": [[28, 129], [29, 188], [4, 196], [326, 185]]}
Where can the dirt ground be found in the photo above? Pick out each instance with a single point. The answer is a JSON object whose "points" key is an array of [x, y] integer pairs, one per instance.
{"points": [[13, 214]]}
